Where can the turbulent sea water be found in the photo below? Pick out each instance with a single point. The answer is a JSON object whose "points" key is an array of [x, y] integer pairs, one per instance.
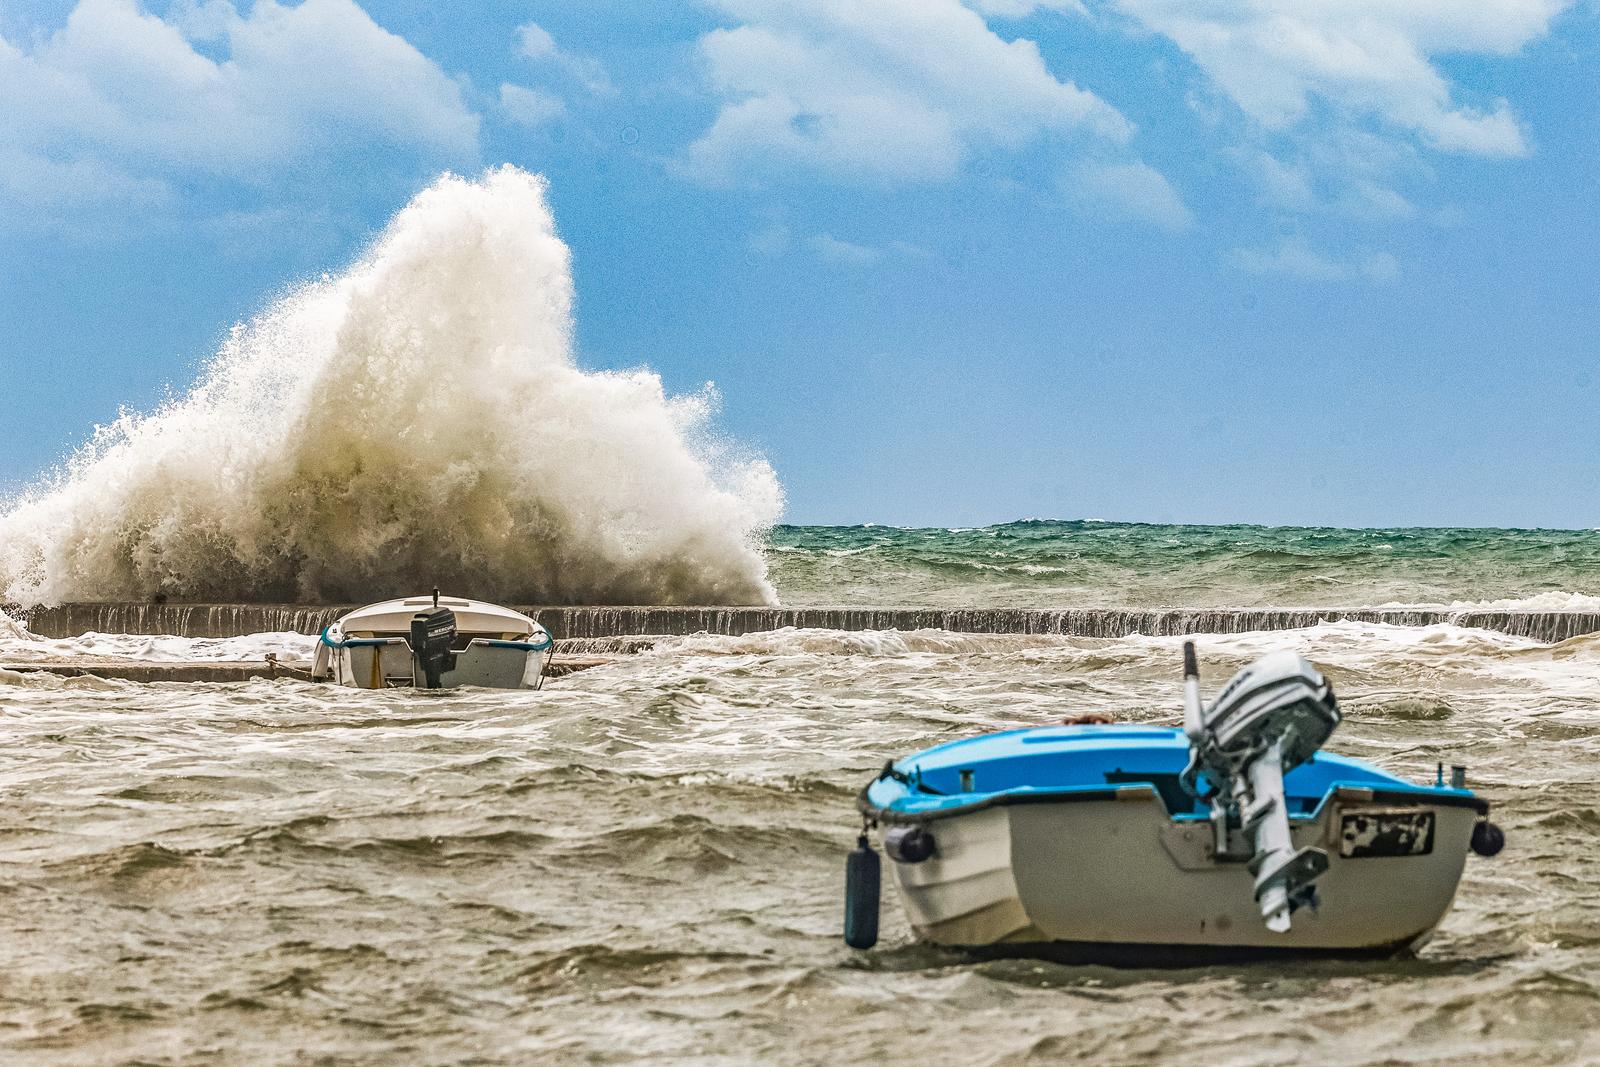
{"points": [[644, 862], [1048, 564]]}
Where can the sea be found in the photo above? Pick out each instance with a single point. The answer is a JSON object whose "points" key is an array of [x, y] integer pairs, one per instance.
{"points": [[643, 862], [1088, 564]]}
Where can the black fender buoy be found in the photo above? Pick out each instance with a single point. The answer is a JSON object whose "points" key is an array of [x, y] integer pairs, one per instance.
{"points": [[1487, 838], [862, 877], [909, 844]]}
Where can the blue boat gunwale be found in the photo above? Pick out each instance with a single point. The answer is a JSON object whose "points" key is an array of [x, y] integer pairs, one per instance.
{"points": [[935, 806], [1400, 794], [359, 642]]}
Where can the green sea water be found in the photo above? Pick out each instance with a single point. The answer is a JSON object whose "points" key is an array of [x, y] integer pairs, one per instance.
{"points": [[1060, 564]]}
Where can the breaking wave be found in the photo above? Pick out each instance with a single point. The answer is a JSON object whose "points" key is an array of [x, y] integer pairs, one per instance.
{"points": [[417, 420]]}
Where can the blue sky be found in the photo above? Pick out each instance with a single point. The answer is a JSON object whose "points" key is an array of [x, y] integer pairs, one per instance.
{"points": [[1281, 261]]}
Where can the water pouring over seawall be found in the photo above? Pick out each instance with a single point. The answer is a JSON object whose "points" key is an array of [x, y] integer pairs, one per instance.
{"points": [[607, 622]]}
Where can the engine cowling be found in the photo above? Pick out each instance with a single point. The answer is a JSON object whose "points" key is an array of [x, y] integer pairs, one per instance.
{"points": [[433, 633]]}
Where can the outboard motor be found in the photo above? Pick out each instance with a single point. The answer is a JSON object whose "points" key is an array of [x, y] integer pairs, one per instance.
{"points": [[1270, 718], [432, 634]]}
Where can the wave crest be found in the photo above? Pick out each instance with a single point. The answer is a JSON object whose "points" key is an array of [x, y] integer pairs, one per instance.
{"points": [[416, 420]]}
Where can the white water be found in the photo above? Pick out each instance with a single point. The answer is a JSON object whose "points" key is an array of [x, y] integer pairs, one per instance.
{"points": [[1554, 600], [417, 420], [20, 645]]}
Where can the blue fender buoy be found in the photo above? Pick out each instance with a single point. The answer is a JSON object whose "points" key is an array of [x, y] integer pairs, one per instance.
{"points": [[862, 878]]}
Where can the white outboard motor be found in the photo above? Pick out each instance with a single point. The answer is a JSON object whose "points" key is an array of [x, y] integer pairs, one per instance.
{"points": [[1270, 718]]}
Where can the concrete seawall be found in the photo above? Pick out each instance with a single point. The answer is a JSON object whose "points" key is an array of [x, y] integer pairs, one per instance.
{"points": [[133, 670], [601, 623]]}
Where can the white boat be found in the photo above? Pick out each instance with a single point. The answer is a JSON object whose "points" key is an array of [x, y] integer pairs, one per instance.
{"points": [[1234, 834], [433, 642]]}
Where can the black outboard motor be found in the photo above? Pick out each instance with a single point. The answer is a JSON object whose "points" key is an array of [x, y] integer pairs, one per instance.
{"points": [[432, 634]]}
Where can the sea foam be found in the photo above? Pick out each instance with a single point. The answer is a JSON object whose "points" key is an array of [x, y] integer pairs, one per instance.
{"points": [[416, 420]]}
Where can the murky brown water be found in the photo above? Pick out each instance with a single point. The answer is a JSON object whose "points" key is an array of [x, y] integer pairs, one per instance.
{"points": [[645, 862]]}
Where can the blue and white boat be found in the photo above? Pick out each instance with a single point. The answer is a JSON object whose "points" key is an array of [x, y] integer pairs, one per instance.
{"points": [[433, 643], [1232, 834]]}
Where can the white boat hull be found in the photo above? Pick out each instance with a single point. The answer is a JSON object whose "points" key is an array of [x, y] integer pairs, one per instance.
{"points": [[494, 647], [479, 664], [1120, 871]]}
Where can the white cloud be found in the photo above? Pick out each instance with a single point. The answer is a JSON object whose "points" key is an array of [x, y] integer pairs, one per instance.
{"points": [[535, 43], [1342, 102], [1017, 9], [776, 240], [1292, 256], [889, 91], [770, 241], [123, 104], [1131, 191], [1283, 184], [1381, 267], [1370, 200], [843, 253], [314, 232], [81, 198], [1363, 58], [1338, 170], [530, 107], [75, 185]]}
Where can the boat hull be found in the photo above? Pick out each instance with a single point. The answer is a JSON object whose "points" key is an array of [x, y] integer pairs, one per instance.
{"points": [[491, 646], [494, 665], [1117, 870]]}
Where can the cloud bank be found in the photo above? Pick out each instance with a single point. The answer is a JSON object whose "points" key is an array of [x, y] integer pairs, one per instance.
{"points": [[891, 91], [1363, 58], [121, 107]]}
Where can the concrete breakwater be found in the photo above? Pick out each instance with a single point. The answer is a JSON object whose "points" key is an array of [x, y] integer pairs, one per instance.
{"points": [[135, 670], [595, 626]]}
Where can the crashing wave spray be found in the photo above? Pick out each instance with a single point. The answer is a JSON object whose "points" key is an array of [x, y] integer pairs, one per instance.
{"points": [[418, 420]]}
